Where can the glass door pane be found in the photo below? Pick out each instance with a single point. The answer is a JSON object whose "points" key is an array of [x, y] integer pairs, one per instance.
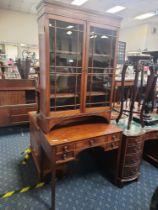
{"points": [[66, 45], [100, 66]]}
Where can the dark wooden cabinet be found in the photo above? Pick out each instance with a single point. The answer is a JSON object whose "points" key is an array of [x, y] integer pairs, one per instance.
{"points": [[77, 62], [131, 155], [17, 98], [133, 147]]}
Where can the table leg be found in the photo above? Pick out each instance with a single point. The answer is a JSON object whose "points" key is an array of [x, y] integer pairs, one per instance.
{"points": [[41, 175], [53, 181]]}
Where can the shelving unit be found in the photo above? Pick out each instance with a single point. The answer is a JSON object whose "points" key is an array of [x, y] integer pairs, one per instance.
{"points": [[79, 64]]}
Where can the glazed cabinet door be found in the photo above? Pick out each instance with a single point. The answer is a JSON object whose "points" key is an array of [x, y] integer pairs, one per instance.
{"points": [[66, 52], [101, 64]]}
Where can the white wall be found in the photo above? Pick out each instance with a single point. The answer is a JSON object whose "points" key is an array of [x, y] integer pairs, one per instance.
{"points": [[140, 37], [152, 38], [135, 37], [17, 27]]}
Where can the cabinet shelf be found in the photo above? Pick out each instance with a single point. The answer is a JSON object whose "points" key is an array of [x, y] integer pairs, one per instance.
{"points": [[71, 95], [95, 93], [100, 54], [63, 95], [62, 74], [65, 106], [66, 52]]}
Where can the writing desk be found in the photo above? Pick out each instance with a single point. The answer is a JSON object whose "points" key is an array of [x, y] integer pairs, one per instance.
{"points": [[62, 145]]}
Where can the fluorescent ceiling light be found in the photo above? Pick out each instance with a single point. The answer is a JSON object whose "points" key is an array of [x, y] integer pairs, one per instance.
{"points": [[93, 36], [71, 61], [115, 9], [78, 2], [146, 15], [23, 45], [69, 32], [104, 37], [69, 27]]}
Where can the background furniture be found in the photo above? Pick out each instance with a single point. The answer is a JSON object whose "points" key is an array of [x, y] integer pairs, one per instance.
{"points": [[136, 142], [128, 84], [17, 98]]}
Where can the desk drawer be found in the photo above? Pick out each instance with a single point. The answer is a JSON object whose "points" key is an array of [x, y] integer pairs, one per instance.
{"points": [[131, 171], [134, 140], [92, 142], [114, 137], [19, 118], [65, 148], [63, 157], [133, 159], [111, 145], [22, 110], [134, 149]]}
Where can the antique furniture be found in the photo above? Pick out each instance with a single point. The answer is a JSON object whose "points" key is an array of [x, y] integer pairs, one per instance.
{"points": [[132, 149], [77, 70], [17, 98], [53, 150], [77, 63]]}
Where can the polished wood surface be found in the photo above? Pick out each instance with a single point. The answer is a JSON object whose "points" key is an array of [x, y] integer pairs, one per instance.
{"points": [[61, 145], [80, 132]]}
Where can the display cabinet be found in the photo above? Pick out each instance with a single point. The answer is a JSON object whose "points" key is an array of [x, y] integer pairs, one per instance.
{"points": [[77, 63], [17, 98]]}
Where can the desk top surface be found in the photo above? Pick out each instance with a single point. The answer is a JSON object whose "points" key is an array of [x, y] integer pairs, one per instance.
{"points": [[80, 132]]}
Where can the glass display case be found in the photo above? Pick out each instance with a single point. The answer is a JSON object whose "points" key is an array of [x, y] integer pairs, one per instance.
{"points": [[77, 63]]}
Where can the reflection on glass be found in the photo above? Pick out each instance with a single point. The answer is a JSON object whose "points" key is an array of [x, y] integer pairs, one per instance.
{"points": [[100, 66], [66, 44]]}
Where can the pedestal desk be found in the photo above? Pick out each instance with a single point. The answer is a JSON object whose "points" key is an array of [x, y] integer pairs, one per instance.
{"points": [[62, 145], [136, 142]]}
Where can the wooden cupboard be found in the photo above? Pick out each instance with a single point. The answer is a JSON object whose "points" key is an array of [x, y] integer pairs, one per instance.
{"points": [[17, 98], [77, 63]]}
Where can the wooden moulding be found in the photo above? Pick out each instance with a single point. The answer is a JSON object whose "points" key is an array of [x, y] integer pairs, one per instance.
{"points": [[48, 123], [67, 10], [17, 84]]}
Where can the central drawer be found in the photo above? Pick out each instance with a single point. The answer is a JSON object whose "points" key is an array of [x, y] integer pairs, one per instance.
{"points": [[98, 141]]}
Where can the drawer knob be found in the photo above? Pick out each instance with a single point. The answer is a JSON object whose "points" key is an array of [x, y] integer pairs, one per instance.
{"points": [[114, 138], [64, 156], [66, 148], [91, 142], [112, 145]]}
